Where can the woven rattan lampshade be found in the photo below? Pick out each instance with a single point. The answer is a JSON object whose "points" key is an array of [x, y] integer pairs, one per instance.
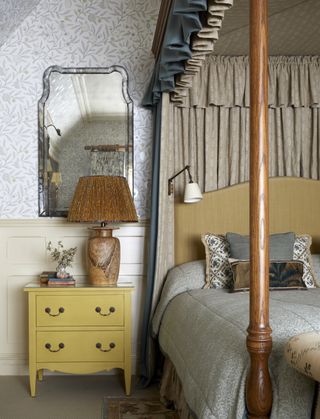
{"points": [[104, 199]]}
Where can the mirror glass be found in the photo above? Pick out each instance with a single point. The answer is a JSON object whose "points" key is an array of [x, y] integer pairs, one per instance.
{"points": [[85, 128]]}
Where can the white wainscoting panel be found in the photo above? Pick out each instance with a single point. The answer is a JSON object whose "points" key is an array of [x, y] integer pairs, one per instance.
{"points": [[23, 256]]}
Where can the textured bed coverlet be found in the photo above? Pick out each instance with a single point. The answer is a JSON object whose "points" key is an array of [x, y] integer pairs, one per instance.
{"points": [[203, 332]]}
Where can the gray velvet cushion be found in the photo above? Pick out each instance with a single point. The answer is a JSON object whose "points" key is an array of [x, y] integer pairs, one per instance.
{"points": [[280, 246]]}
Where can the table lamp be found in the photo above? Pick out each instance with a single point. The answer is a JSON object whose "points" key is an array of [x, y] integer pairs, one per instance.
{"points": [[104, 199]]}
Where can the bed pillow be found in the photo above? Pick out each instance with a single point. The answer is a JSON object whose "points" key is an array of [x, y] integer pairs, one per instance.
{"points": [[281, 246], [300, 245], [282, 275], [301, 251], [316, 271], [218, 270]]}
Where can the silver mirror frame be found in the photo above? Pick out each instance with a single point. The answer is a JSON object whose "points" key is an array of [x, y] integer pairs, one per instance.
{"points": [[44, 209]]}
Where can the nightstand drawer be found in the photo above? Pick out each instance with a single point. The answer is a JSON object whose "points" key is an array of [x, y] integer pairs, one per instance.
{"points": [[93, 346], [80, 310]]}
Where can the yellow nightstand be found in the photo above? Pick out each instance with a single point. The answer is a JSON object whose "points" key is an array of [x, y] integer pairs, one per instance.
{"points": [[81, 330]]}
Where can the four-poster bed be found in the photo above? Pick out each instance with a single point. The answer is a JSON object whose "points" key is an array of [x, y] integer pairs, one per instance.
{"points": [[292, 312], [259, 341]]}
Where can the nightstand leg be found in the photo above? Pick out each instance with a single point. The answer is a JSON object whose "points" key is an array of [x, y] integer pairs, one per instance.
{"points": [[33, 380], [32, 344], [40, 375], [127, 379]]}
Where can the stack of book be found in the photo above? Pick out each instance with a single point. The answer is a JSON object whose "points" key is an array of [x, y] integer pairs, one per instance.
{"points": [[45, 275], [68, 280], [50, 278]]}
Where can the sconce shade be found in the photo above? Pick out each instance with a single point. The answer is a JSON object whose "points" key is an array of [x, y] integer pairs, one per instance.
{"points": [[56, 178], [192, 193], [102, 199]]}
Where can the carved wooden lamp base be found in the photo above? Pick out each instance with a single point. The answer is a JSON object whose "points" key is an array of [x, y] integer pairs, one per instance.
{"points": [[103, 256]]}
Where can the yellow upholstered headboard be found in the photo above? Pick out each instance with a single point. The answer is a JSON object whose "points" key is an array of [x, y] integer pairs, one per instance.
{"points": [[294, 206]]}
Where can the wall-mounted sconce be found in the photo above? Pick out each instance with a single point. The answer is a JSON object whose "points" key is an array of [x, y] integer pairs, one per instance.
{"points": [[49, 166], [56, 179], [58, 131], [192, 193]]}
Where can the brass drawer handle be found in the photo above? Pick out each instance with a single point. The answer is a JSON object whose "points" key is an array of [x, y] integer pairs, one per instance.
{"points": [[111, 346], [48, 346], [48, 310], [111, 310]]}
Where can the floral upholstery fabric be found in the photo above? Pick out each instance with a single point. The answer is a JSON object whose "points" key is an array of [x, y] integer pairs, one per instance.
{"points": [[303, 353]]}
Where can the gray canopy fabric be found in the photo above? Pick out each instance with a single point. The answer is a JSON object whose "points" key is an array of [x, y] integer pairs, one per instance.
{"points": [[294, 28], [192, 30], [212, 127], [224, 81], [202, 45], [183, 20], [177, 56]]}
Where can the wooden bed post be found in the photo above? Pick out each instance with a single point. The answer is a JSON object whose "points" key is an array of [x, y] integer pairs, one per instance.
{"points": [[259, 342]]}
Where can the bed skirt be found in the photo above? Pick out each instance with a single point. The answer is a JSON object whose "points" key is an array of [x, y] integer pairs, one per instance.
{"points": [[171, 391]]}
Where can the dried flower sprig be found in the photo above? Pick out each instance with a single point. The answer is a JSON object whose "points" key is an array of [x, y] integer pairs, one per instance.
{"points": [[63, 256]]}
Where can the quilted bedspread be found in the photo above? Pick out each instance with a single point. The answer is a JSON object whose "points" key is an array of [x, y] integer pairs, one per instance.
{"points": [[203, 332]]}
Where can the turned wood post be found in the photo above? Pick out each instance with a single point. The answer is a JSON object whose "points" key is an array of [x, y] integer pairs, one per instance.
{"points": [[259, 342]]}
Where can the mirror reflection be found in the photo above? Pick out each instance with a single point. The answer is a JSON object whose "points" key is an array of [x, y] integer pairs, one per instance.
{"points": [[85, 128]]}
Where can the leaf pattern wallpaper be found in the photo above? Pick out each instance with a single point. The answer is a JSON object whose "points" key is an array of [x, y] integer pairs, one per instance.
{"points": [[69, 33], [12, 13]]}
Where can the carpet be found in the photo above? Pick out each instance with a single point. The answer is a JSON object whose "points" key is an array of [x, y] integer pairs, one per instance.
{"points": [[131, 408]]}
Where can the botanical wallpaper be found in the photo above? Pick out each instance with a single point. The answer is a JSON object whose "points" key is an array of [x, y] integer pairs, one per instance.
{"points": [[12, 13], [70, 33]]}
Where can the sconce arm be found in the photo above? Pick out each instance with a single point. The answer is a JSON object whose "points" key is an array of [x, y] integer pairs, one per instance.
{"points": [[170, 181], [58, 131]]}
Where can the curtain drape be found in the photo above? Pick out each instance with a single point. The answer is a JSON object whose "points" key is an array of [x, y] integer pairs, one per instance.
{"points": [[212, 126], [192, 29], [147, 353], [224, 81], [161, 258]]}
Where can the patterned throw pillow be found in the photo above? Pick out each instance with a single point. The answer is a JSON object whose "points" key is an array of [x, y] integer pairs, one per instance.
{"points": [[301, 251], [282, 275], [218, 270], [316, 269]]}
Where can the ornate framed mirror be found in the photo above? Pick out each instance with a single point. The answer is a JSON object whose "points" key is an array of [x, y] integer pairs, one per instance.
{"points": [[85, 128]]}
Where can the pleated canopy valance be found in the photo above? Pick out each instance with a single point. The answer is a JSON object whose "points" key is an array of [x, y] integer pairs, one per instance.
{"points": [[192, 29], [224, 81]]}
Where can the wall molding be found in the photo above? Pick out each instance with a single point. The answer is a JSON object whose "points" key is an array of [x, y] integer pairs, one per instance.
{"points": [[59, 221]]}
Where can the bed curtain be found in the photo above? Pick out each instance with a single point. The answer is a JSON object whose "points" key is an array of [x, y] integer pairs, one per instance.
{"points": [[212, 122], [161, 252], [191, 32]]}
